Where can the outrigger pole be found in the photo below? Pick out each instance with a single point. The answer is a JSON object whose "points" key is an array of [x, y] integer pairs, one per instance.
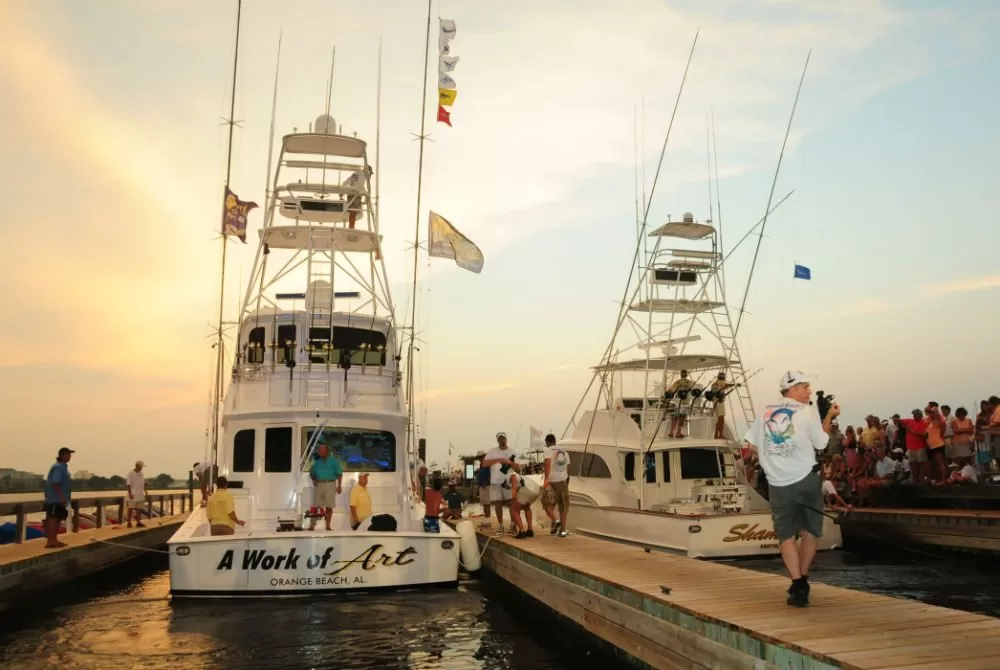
{"points": [[410, 418], [219, 356]]}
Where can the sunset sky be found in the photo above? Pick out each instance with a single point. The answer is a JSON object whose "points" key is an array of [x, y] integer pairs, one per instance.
{"points": [[114, 159]]}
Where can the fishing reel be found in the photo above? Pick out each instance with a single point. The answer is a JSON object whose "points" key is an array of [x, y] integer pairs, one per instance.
{"points": [[823, 403]]}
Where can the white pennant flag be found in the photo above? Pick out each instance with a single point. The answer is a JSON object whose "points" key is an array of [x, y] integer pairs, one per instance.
{"points": [[444, 48], [447, 64], [447, 29], [445, 81]]}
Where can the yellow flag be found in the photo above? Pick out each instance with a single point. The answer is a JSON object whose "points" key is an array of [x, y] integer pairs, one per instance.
{"points": [[446, 96], [444, 241]]}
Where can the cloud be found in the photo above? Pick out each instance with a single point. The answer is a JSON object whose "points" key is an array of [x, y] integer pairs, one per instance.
{"points": [[965, 285]]}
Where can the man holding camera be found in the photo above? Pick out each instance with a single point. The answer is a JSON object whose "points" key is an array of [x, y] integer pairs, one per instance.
{"points": [[787, 437]]}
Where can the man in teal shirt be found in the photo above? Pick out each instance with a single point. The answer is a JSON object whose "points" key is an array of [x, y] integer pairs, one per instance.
{"points": [[57, 491], [326, 474]]}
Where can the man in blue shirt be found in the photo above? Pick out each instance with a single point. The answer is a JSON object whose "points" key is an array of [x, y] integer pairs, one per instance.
{"points": [[57, 491], [326, 474]]}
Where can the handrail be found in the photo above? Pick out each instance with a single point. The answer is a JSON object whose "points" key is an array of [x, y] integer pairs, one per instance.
{"points": [[165, 501]]}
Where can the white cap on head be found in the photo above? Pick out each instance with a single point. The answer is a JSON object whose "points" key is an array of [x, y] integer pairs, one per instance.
{"points": [[501, 434], [794, 378], [140, 464]]}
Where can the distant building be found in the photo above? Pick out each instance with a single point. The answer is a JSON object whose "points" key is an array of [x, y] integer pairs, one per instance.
{"points": [[13, 475], [83, 474]]}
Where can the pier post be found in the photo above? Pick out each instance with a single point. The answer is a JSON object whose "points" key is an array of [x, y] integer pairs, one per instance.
{"points": [[121, 510], [100, 513], [76, 516], [21, 524], [161, 505], [171, 504]]}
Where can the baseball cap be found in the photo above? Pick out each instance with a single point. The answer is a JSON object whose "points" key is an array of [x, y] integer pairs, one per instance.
{"points": [[65, 450], [501, 434], [794, 378], [140, 464]]}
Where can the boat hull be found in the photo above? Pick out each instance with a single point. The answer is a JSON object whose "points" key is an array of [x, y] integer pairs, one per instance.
{"points": [[698, 536], [310, 562]]}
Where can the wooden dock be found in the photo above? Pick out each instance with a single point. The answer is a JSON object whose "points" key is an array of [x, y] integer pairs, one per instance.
{"points": [[969, 531], [725, 618], [28, 568]]}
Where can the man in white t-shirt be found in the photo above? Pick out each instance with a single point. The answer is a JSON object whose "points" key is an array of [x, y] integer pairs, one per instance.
{"points": [[496, 460], [135, 486], [786, 438], [556, 485]]}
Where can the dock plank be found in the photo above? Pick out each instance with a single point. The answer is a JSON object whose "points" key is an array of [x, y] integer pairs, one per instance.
{"points": [[841, 629]]}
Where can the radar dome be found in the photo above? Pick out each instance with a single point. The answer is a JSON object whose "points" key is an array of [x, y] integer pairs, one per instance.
{"points": [[688, 217], [325, 124]]}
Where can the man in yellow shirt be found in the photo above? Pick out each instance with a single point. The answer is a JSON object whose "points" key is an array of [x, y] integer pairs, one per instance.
{"points": [[678, 416], [221, 510], [361, 501]]}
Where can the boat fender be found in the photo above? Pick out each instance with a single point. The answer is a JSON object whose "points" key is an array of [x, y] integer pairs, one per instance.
{"points": [[383, 523], [468, 546]]}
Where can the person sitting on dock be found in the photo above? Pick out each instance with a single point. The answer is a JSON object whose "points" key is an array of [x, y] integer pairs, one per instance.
{"points": [[786, 437], [58, 485], [966, 475], [454, 500], [326, 473], [495, 460], [221, 510], [135, 486], [678, 417], [832, 498], [360, 501]]}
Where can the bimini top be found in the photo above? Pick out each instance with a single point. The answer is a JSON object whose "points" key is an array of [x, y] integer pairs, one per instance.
{"points": [[678, 306], [321, 144], [690, 362], [684, 229], [321, 238]]}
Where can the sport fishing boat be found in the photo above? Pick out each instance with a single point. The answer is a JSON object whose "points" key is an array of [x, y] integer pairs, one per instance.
{"points": [[632, 478], [317, 363]]}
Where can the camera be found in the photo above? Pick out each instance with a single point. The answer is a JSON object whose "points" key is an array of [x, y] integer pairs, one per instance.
{"points": [[823, 403]]}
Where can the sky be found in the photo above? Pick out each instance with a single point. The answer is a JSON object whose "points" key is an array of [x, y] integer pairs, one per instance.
{"points": [[114, 160]]}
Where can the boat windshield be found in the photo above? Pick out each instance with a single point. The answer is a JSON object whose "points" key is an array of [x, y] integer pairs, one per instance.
{"points": [[359, 449]]}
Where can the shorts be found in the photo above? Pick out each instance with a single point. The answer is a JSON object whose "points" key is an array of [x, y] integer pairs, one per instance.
{"points": [[557, 495], [677, 414], [326, 494], [916, 455], [798, 507], [958, 450], [56, 510], [526, 497], [136, 504], [484, 495], [496, 494], [506, 495], [934, 452], [720, 408]]}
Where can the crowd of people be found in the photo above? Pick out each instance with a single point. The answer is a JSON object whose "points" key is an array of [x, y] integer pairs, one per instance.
{"points": [[934, 445]]}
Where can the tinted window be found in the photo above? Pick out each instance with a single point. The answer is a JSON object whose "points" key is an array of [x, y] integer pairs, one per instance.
{"points": [[650, 459], [357, 345], [358, 450], [700, 463], [587, 465], [285, 344], [630, 466], [243, 451], [255, 345], [278, 449]]}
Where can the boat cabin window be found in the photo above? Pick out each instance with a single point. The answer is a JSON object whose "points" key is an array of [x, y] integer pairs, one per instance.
{"points": [[285, 344], [358, 449], [357, 345], [701, 463], [243, 444], [587, 465], [628, 466], [278, 449], [255, 345]]}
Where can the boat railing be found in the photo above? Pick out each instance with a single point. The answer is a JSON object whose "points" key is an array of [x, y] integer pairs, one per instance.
{"points": [[260, 372], [163, 502]]}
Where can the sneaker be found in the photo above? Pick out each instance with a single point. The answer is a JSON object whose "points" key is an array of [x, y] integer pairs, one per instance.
{"points": [[499, 532], [521, 535], [798, 594], [529, 533], [562, 533], [555, 528]]}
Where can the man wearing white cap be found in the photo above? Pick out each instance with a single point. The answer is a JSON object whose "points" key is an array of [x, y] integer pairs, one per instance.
{"points": [[786, 438], [495, 460], [135, 485]]}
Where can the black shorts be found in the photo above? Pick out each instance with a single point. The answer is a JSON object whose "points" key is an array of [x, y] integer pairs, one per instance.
{"points": [[56, 510]]}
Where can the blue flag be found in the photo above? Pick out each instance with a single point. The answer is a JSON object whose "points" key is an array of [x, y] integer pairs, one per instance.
{"points": [[802, 272]]}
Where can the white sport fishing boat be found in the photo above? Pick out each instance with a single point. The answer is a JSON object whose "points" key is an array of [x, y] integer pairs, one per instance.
{"points": [[629, 479], [317, 362]]}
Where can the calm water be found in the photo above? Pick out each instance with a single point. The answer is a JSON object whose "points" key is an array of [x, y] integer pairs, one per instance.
{"points": [[126, 620]]}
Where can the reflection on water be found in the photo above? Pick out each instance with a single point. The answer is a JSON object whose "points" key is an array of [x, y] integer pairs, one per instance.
{"points": [[962, 584], [104, 627]]}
